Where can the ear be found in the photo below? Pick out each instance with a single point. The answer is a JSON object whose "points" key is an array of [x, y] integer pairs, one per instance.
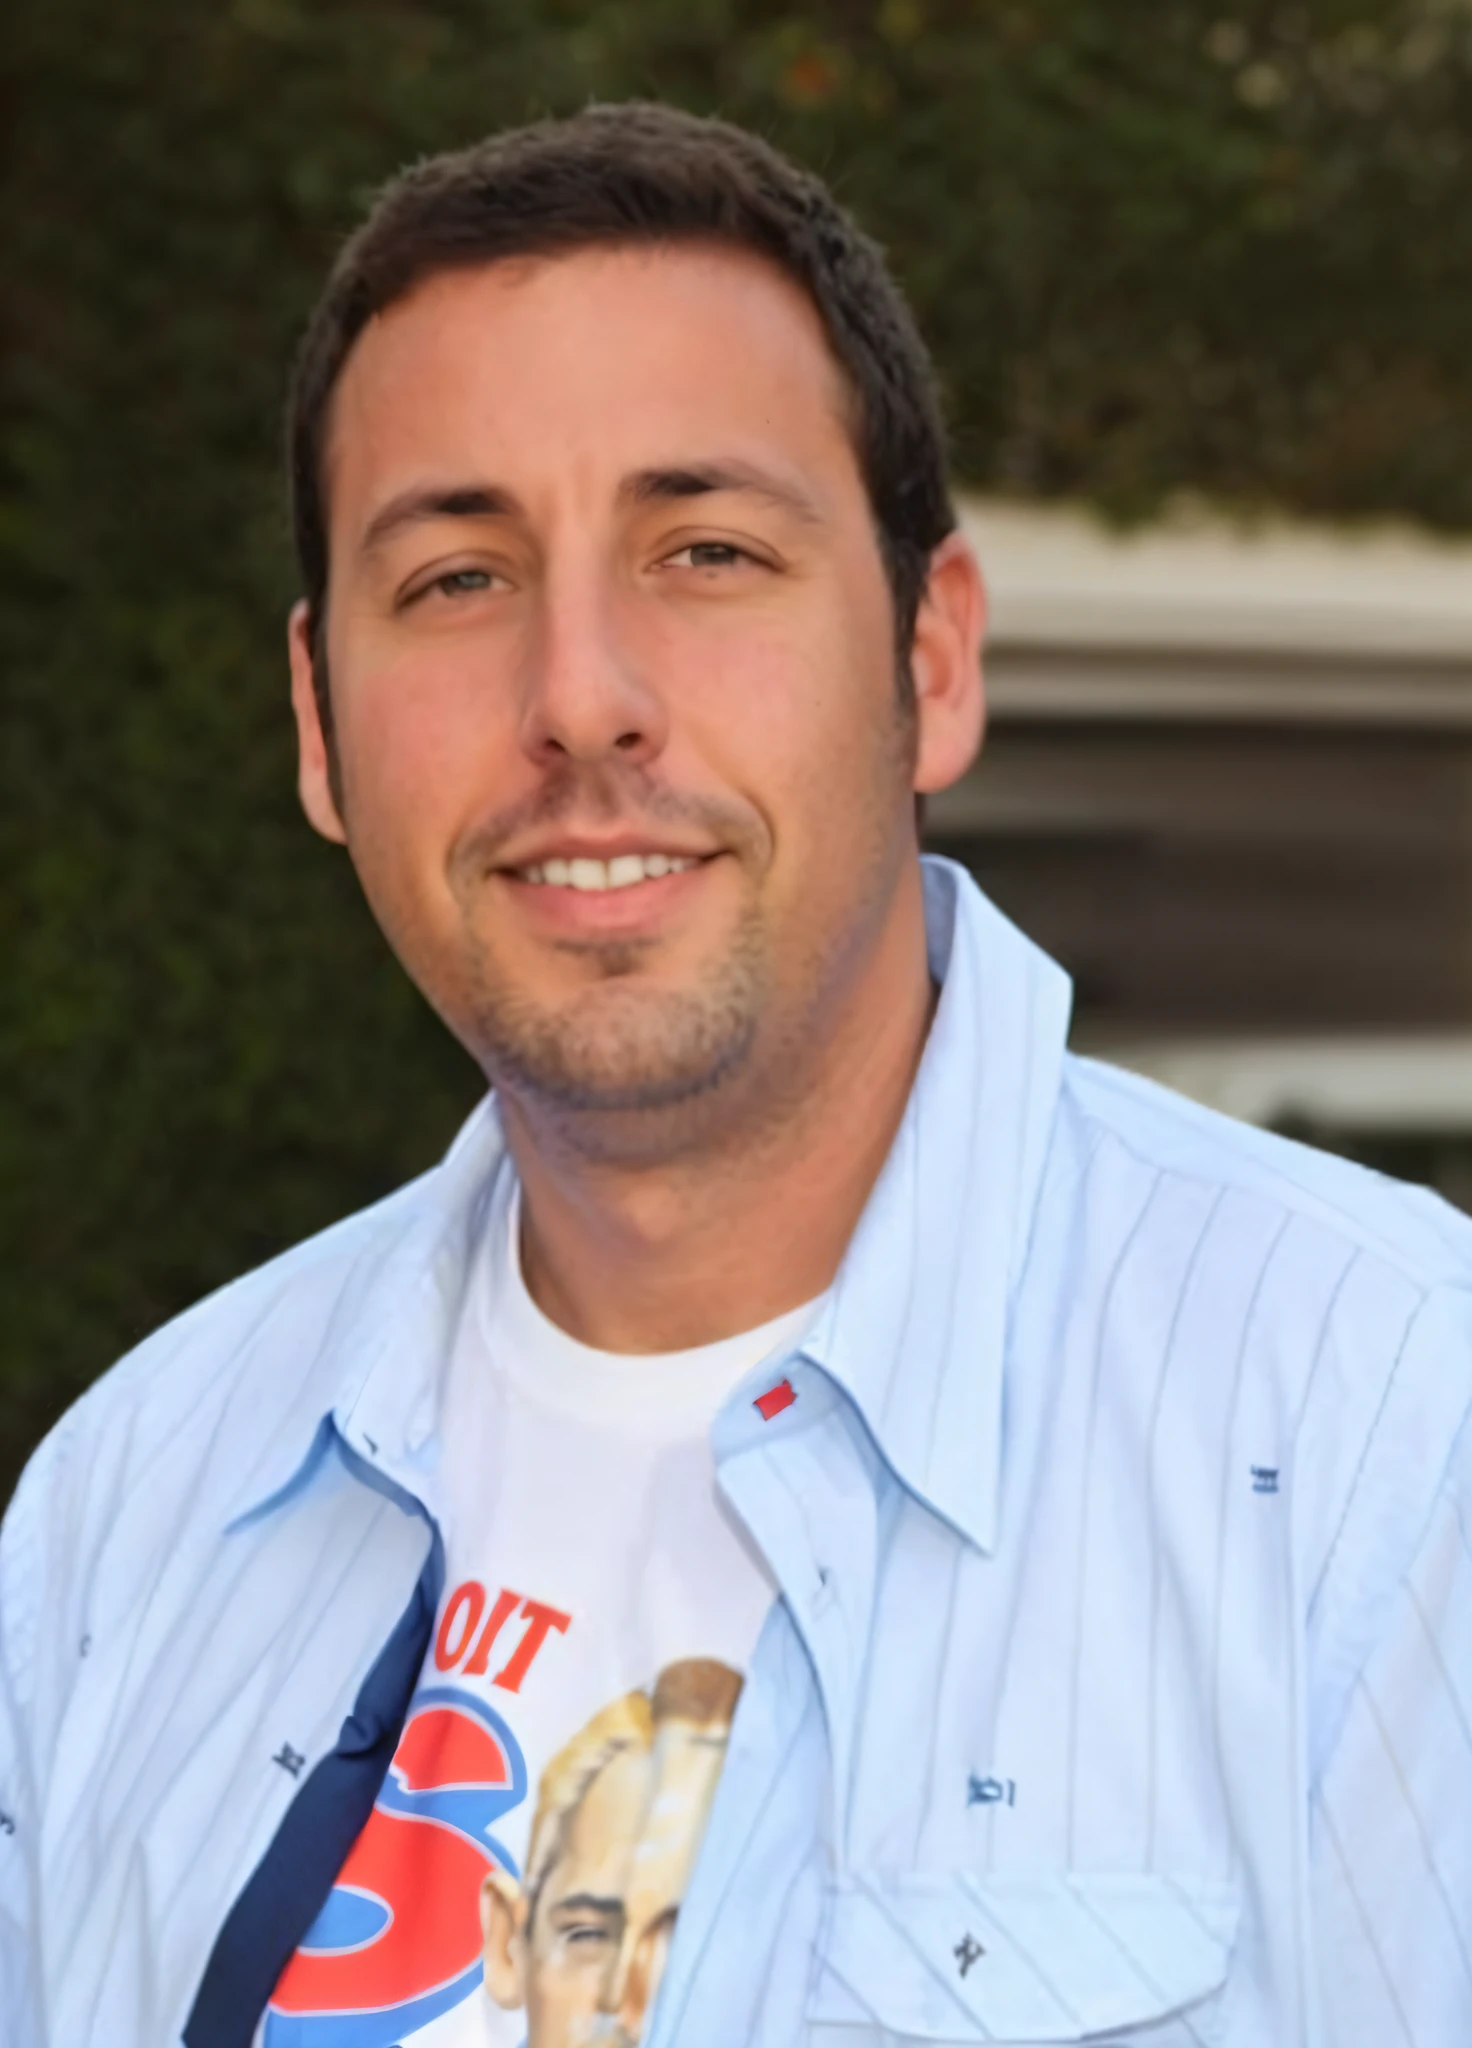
{"points": [[503, 1931], [314, 774], [945, 661]]}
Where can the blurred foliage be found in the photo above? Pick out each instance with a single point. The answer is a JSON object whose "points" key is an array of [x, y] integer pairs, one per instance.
{"points": [[1155, 247]]}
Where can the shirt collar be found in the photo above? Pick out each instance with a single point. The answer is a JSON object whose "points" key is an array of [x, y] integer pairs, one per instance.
{"points": [[376, 1377], [916, 1325]]}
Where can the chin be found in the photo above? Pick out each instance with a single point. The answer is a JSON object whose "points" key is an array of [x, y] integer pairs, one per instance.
{"points": [[618, 1059], [617, 1050]]}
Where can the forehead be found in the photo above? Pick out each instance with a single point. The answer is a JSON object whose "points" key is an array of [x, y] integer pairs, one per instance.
{"points": [[642, 1805], [603, 359], [604, 1826]]}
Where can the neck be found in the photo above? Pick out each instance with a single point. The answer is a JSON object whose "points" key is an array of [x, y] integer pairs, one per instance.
{"points": [[738, 1230]]}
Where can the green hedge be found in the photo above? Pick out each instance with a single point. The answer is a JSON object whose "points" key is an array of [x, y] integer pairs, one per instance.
{"points": [[1155, 247]]}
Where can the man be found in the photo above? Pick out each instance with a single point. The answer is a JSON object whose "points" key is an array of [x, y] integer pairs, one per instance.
{"points": [[1078, 1482], [620, 1813]]}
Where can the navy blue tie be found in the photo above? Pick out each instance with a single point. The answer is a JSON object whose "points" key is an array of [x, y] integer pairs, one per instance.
{"points": [[289, 1886]]}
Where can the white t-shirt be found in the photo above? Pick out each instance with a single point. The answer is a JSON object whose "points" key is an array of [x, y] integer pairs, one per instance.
{"points": [[600, 1606]]}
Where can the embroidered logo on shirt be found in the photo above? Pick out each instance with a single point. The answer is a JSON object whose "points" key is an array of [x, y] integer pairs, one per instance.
{"points": [[968, 1950], [774, 1400], [1264, 1478], [290, 1760], [990, 1791]]}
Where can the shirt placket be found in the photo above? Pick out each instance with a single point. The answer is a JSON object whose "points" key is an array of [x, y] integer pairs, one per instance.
{"points": [[807, 1499]]}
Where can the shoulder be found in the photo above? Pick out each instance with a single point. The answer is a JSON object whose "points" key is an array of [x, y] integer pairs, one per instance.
{"points": [[1407, 1234], [156, 1449], [147, 1475], [190, 1364], [1334, 1302]]}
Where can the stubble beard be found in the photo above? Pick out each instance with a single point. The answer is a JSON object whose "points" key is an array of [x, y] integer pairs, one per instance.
{"points": [[633, 1074], [620, 1063], [618, 1057]]}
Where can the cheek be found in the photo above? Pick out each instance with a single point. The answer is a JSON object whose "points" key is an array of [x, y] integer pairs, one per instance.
{"points": [[769, 700], [803, 721], [406, 723], [423, 749], [559, 1989]]}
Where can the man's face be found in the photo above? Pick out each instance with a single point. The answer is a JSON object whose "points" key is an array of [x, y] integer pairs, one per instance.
{"points": [[623, 763], [596, 1946]]}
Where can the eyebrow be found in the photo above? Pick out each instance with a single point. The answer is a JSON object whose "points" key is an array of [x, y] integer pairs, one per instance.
{"points": [[646, 487], [454, 501], [589, 1902], [699, 479]]}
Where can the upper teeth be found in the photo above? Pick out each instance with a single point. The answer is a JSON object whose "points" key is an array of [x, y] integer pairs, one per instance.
{"points": [[620, 873]]}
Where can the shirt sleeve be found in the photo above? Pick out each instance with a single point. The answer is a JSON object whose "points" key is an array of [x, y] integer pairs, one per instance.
{"points": [[1391, 1817]]}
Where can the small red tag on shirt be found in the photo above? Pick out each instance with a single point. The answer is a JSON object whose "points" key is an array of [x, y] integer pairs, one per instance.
{"points": [[774, 1400]]}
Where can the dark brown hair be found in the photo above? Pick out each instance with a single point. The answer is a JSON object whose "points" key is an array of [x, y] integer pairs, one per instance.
{"points": [[639, 173]]}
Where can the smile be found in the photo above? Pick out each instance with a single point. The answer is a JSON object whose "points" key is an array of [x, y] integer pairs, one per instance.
{"points": [[622, 872]]}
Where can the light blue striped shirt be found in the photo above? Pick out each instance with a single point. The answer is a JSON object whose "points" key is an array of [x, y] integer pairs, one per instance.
{"points": [[1121, 1678]]}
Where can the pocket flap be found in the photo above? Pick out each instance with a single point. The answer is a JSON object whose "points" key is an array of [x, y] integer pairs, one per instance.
{"points": [[945, 1956]]}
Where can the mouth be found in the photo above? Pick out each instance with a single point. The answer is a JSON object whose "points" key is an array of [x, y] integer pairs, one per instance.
{"points": [[638, 894], [591, 876]]}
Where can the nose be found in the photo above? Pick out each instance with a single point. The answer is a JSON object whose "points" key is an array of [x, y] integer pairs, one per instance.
{"points": [[589, 697], [636, 1976]]}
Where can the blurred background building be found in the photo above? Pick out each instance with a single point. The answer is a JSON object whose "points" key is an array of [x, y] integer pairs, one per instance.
{"points": [[1201, 253], [1228, 781]]}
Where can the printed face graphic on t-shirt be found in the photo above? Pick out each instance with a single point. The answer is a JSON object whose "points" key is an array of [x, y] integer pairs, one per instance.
{"points": [[621, 1809]]}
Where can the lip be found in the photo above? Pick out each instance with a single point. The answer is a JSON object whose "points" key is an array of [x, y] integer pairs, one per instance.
{"points": [[577, 848], [641, 910]]}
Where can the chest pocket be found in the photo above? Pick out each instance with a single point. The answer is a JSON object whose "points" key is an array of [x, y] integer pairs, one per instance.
{"points": [[948, 1957]]}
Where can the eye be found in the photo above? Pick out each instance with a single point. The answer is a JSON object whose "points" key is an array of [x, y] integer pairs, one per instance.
{"points": [[586, 1933], [452, 584], [707, 554], [461, 582]]}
